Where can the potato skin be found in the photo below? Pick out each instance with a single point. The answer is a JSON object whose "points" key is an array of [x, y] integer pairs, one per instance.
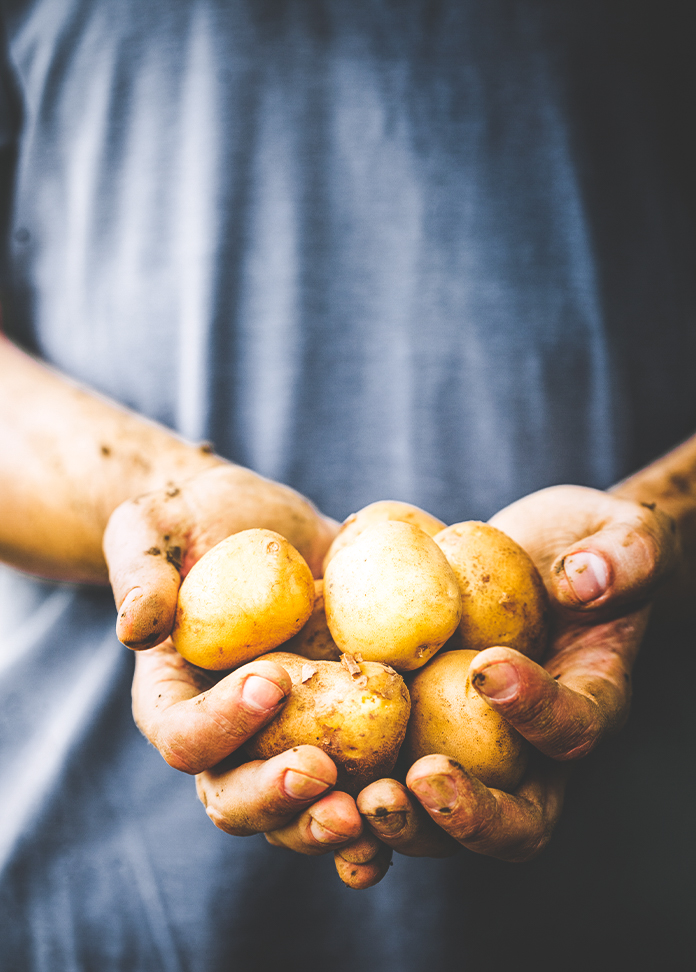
{"points": [[504, 601], [391, 596], [314, 639], [360, 722], [377, 512], [245, 596], [449, 717]]}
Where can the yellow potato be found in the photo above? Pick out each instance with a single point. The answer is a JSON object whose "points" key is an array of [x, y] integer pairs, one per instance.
{"points": [[377, 513], [504, 601], [358, 719], [391, 596], [314, 639], [449, 717], [245, 596]]}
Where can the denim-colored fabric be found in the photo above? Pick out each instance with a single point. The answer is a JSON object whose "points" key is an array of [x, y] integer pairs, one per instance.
{"points": [[434, 251]]}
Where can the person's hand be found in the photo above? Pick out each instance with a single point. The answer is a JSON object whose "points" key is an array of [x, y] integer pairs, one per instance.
{"points": [[198, 724], [601, 558], [152, 541], [198, 720]]}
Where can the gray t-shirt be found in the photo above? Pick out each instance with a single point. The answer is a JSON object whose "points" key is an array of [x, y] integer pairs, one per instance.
{"points": [[439, 252]]}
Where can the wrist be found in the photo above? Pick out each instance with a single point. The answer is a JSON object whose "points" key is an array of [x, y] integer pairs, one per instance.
{"points": [[669, 486], [68, 457]]}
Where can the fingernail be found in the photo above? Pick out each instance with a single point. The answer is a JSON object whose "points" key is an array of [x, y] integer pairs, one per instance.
{"points": [[324, 835], [588, 575], [301, 787], [128, 601], [498, 681], [436, 792], [388, 822], [261, 694]]}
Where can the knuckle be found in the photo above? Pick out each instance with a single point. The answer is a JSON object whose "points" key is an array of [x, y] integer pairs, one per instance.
{"points": [[571, 749], [179, 751], [201, 790], [577, 736], [222, 822], [534, 711], [529, 849], [476, 825], [536, 840], [569, 740], [648, 556], [179, 758], [236, 729], [219, 813]]}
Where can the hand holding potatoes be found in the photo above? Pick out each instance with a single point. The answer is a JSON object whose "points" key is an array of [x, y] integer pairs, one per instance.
{"points": [[563, 708], [597, 631], [199, 721], [392, 598], [152, 541]]}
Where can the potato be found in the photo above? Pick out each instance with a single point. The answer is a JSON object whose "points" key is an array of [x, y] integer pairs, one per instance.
{"points": [[314, 639], [377, 513], [245, 596], [448, 716], [358, 720], [504, 601], [391, 596]]}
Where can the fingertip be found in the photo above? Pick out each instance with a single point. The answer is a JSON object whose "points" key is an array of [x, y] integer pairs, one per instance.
{"points": [[514, 686], [387, 807], [335, 819], [562, 720], [314, 760], [260, 688], [145, 619], [381, 794], [497, 674], [586, 576], [619, 564], [433, 765], [267, 670], [308, 772], [364, 863], [262, 694]]}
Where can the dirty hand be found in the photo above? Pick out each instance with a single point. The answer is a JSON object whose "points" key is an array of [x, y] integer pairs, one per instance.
{"points": [[197, 720], [601, 558]]}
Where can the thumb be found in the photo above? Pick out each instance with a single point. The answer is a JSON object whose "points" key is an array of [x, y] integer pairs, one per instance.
{"points": [[618, 566]]}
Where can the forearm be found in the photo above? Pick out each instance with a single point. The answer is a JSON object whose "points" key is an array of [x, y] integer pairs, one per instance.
{"points": [[68, 457], [669, 483]]}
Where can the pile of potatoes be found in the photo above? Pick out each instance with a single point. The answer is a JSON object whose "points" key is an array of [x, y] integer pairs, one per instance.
{"points": [[379, 650]]}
